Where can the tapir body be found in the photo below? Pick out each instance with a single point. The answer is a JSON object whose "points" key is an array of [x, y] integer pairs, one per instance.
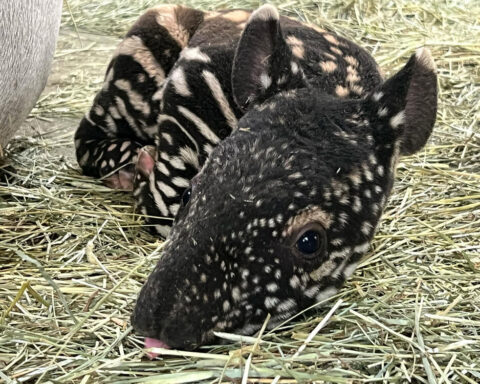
{"points": [[272, 143]]}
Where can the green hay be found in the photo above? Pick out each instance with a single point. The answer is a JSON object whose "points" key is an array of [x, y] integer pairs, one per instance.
{"points": [[73, 255]]}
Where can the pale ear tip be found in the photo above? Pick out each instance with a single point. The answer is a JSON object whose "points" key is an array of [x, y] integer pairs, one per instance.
{"points": [[424, 57], [265, 12]]}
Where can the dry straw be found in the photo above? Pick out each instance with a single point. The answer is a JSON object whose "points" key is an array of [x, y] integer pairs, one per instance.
{"points": [[73, 255]]}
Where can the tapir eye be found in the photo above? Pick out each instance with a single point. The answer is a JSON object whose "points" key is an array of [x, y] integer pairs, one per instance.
{"points": [[311, 241], [186, 196]]}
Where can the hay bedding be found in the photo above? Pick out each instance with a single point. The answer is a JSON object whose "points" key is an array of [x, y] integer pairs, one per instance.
{"points": [[73, 255]]}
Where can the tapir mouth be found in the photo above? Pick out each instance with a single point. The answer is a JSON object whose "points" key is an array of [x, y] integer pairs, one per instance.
{"points": [[154, 343]]}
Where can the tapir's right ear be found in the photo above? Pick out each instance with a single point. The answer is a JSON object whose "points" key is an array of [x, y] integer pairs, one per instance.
{"points": [[263, 63], [409, 101]]}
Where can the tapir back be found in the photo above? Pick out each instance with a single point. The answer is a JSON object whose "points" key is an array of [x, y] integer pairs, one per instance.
{"points": [[335, 65]]}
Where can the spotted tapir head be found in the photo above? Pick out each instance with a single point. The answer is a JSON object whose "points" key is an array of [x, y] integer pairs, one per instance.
{"points": [[285, 207]]}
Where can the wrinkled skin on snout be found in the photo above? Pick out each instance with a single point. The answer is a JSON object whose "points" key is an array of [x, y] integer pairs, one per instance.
{"points": [[285, 207]]}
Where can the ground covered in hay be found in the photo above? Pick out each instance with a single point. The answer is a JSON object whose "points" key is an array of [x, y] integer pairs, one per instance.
{"points": [[73, 255]]}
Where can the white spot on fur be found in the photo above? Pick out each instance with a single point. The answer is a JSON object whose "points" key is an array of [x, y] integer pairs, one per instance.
{"points": [[366, 228], [294, 67], [383, 111], [296, 46], [377, 96], [236, 295], [341, 91], [83, 160], [99, 111], [265, 80], [180, 182], [179, 81], [166, 189], [325, 294], [177, 163], [330, 38], [349, 269], [336, 242], [398, 119], [174, 209], [380, 170], [167, 137], [342, 253], [125, 156], [226, 306], [272, 287], [124, 146], [194, 54], [357, 204], [336, 50], [271, 302], [328, 66], [362, 248], [286, 305], [312, 291], [162, 230]]}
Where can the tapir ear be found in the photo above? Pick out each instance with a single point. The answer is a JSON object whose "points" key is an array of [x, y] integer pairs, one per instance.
{"points": [[263, 63], [409, 100]]}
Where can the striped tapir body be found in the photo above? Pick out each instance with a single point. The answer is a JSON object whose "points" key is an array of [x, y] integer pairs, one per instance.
{"points": [[274, 145], [170, 85]]}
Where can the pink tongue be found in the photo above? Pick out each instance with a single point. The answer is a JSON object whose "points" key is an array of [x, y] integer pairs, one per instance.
{"points": [[154, 343]]}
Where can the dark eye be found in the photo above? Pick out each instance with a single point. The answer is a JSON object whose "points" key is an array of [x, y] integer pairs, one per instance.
{"points": [[309, 242], [186, 196]]}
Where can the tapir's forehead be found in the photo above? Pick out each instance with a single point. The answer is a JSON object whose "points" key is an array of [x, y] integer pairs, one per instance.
{"points": [[255, 175], [287, 140], [260, 170]]}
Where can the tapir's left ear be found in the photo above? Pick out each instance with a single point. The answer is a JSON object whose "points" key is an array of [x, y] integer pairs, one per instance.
{"points": [[263, 63], [409, 100]]}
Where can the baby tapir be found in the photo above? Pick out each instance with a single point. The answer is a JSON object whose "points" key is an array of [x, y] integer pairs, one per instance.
{"points": [[275, 146], [170, 84]]}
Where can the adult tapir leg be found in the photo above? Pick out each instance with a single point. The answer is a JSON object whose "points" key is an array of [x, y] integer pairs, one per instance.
{"points": [[123, 117], [28, 34]]}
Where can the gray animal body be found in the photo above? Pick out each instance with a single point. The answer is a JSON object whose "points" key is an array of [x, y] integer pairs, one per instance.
{"points": [[28, 34], [274, 144]]}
